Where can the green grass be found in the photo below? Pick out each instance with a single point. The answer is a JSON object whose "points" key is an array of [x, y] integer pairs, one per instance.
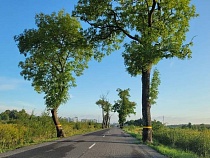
{"points": [[20, 133], [172, 153], [164, 150]]}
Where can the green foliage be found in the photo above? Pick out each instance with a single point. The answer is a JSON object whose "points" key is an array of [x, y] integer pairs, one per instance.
{"points": [[77, 126], [138, 122], [33, 129], [156, 29], [101, 32], [13, 115], [157, 125], [124, 106], [104, 104], [170, 150], [158, 33], [186, 139], [106, 107], [173, 153], [55, 52], [152, 30], [154, 87], [135, 131]]}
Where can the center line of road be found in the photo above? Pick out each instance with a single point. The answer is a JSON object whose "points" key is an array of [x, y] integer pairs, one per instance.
{"points": [[92, 145]]}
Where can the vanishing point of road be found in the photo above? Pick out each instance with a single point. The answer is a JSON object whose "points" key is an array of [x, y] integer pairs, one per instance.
{"points": [[108, 143]]}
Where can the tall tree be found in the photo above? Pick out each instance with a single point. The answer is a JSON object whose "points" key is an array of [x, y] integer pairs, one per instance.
{"points": [[106, 108], [124, 106], [55, 53], [156, 30]]}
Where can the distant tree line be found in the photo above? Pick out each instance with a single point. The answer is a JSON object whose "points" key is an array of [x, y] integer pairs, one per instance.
{"points": [[192, 126], [138, 122], [13, 115]]}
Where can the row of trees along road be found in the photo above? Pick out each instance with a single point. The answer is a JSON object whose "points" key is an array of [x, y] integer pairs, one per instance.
{"points": [[150, 30], [59, 49], [106, 107], [124, 107]]}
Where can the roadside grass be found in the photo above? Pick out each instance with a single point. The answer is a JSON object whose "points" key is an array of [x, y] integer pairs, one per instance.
{"points": [[20, 133], [164, 150], [171, 152]]}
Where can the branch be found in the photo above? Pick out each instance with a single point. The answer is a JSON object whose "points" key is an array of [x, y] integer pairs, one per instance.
{"points": [[115, 27], [150, 13]]}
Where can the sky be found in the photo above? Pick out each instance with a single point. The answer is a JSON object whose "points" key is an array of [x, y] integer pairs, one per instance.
{"points": [[184, 92]]}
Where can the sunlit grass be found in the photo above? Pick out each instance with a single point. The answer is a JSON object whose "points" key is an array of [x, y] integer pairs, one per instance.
{"points": [[165, 150], [36, 130], [173, 153]]}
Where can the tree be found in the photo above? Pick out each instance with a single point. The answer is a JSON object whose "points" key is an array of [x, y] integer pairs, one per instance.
{"points": [[156, 30], [5, 115], [124, 106], [22, 115], [55, 53], [106, 109], [138, 122], [154, 87]]}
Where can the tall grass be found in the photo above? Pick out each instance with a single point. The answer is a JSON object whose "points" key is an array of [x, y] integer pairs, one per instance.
{"points": [[177, 142], [33, 129], [197, 141]]}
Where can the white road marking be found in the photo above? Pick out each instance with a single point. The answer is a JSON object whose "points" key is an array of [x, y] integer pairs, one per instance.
{"points": [[103, 135], [92, 145]]}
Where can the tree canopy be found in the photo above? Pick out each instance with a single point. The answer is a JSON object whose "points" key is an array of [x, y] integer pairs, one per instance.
{"points": [[151, 30], [154, 87], [106, 107], [55, 53], [124, 106]]}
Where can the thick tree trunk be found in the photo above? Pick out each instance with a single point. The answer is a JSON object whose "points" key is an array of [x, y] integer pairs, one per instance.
{"points": [[147, 129], [59, 129]]}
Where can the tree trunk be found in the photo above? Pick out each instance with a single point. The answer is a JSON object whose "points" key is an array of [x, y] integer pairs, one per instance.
{"points": [[109, 122], [103, 121], [59, 129], [147, 129]]}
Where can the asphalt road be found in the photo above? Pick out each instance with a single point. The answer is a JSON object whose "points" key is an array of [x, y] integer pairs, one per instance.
{"points": [[101, 144]]}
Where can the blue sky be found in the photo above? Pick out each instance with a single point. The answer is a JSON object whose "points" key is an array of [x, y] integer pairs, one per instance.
{"points": [[184, 93]]}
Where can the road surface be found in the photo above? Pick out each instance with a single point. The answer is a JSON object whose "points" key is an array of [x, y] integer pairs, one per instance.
{"points": [[108, 143]]}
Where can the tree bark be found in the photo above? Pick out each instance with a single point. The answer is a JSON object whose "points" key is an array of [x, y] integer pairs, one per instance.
{"points": [[59, 129], [147, 129], [107, 120], [102, 118]]}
